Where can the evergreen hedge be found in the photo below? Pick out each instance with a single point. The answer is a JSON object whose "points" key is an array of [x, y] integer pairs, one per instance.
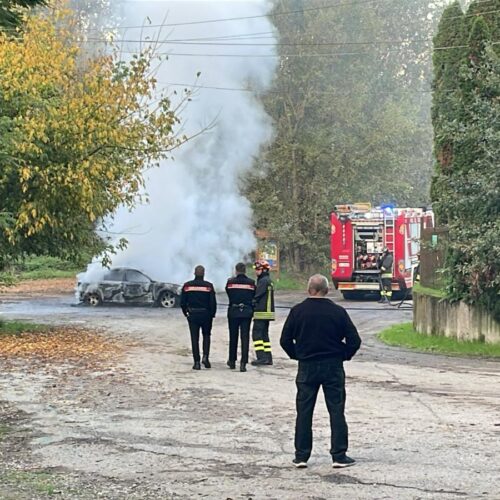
{"points": [[466, 119]]}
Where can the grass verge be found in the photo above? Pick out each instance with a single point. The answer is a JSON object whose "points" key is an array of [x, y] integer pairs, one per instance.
{"points": [[284, 280], [34, 268], [18, 327], [34, 482], [433, 292], [404, 335], [4, 429]]}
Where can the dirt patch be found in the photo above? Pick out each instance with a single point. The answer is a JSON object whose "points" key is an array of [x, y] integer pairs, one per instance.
{"points": [[35, 288]]}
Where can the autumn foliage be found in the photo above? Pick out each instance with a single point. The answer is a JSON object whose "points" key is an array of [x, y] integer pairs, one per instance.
{"points": [[76, 132]]}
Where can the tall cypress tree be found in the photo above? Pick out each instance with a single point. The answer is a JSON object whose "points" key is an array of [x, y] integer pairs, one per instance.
{"points": [[466, 187], [447, 60]]}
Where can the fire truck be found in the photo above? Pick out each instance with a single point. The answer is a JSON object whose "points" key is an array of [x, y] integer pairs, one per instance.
{"points": [[359, 233]]}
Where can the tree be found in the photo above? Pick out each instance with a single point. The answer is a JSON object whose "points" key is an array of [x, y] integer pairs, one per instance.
{"points": [[466, 187], [11, 11], [351, 126], [75, 136]]}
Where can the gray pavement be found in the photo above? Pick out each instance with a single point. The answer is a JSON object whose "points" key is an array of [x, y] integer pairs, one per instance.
{"points": [[421, 426]]}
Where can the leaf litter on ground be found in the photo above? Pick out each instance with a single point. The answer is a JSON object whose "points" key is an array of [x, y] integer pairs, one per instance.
{"points": [[62, 344]]}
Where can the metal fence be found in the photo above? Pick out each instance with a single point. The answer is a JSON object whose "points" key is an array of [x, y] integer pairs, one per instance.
{"points": [[432, 256]]}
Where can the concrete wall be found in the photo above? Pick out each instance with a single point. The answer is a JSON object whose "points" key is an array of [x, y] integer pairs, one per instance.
{"points": [[434, 316]]}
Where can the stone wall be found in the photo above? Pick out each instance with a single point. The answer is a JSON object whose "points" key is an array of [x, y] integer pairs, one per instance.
{"points": [[434, 316]]}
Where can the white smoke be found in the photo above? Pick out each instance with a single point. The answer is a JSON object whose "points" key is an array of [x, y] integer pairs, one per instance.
{"points": [[196, 214]]}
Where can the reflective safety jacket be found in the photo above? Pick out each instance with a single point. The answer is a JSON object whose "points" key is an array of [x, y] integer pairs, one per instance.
{"points": [[240, 291], [385, 265], [264, 298], [198, 298]]}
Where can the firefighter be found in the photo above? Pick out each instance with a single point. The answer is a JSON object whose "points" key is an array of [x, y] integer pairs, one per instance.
{"points": [[385, 265], [416, 273], [240, 291], [263, 314], [199, 305]]}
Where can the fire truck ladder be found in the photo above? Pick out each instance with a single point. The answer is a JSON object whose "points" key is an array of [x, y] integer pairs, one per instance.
{"points": [[389, 227]]}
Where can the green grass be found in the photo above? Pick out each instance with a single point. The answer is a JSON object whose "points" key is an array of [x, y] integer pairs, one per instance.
{"points": [[433, 292], [17, 327], [404, 335], [39, 482], [284, 280], [4, 429], [34, 268]]}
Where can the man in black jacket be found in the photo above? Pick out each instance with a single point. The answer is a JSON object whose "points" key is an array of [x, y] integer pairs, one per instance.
{"points": [[240, 291], [321, 336], [263, 314], [199, 305]]}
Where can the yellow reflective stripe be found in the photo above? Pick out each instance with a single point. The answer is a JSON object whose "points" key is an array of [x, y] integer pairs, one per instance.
{"points": [[386, 275], [267, 349], [258, 342], [259, 348], [263, 315], [268, 308]]}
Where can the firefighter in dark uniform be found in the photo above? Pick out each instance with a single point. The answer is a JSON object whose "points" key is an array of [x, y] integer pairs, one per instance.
{"points": [[385, 265], [199, 305], [240, 291], [263, 314], [416, 273]]}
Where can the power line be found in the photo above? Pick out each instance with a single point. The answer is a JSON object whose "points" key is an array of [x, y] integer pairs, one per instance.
{"points": [[327, 54], [241, 18], [277, 44], [317, 92], [277, 14]]}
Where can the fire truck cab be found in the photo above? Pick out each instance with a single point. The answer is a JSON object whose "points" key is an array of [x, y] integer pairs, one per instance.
{"points": [[359, 234]]}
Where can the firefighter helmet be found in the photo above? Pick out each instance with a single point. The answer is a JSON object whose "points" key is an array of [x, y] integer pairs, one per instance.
{"points": [[262, 265]]}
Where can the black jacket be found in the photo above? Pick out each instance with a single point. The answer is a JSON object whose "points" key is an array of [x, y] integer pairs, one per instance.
{"points": [[385, 263], [198, 298], [240, 292], [264, 298], [319, 329]]}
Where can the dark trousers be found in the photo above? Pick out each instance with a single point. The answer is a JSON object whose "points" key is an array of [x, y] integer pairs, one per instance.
{"points": [[260, 337], [328, 374], [239, 326], [195, 325], [386, 287]]}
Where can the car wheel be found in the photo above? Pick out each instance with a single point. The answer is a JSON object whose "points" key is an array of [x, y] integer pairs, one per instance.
{"points": [[93, 299], [167, 300]]}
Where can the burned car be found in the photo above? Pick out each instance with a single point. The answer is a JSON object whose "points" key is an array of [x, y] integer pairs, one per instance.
{"points": [[128, 286]]}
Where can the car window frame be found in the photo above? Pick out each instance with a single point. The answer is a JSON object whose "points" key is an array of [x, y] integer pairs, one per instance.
{"points": [[120, 272], [127, 280]]}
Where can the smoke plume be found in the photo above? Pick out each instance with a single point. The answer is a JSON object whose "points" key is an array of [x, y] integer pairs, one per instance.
{"points": [[196, 214]]}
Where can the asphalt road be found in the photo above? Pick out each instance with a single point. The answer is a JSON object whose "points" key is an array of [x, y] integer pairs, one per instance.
{"points": [[421, 425]]}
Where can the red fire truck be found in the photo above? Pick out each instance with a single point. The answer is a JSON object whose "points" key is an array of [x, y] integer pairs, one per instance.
{"points": [[359, 234]]}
